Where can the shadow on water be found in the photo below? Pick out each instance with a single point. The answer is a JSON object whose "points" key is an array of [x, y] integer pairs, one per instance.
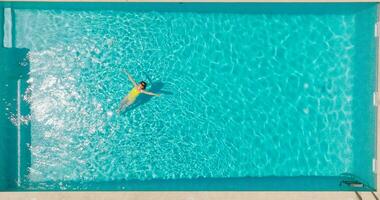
{"points": [[156, 87]]}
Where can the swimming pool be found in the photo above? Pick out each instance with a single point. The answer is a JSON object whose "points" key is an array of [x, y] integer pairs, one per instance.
{"points": [[254, 96]]}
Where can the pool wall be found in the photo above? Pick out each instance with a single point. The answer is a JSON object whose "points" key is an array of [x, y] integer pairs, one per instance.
{"points": [[2, 164], [364, 111], [14, 72], [274, 183], [10, 145]]}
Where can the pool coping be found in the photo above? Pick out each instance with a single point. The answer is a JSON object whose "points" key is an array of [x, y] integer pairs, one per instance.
{"points": [[210, 195], [202, 1]]}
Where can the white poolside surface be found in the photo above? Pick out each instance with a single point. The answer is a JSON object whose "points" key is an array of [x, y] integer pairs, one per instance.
{"points": [[183, 195], [198, 195]]}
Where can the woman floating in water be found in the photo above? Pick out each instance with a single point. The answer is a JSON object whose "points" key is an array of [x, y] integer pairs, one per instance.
{"points": [[134, 93]]}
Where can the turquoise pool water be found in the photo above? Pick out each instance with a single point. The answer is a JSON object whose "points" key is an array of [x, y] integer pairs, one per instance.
{"points": [[248, 90]]}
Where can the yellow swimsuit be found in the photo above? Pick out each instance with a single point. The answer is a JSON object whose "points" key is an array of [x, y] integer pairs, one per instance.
{"points": [[133, 94]]}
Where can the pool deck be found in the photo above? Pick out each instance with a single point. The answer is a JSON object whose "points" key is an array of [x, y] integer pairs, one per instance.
{"points": [[232, 1], [202, 1], [183, 196], [200, 195]]}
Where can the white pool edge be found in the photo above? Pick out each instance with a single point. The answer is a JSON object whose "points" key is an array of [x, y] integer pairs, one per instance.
{"points": [[206, 195], [7, 40], [18, 132], [203, 1]]}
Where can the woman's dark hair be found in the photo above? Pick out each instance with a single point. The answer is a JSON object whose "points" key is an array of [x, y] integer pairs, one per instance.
{"points": [[143, 83]]}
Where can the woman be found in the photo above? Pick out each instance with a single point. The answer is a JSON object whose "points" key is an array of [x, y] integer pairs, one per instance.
{"points": [[134, 93]]}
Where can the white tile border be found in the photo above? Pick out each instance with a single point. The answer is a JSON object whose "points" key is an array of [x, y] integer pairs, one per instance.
{"points": [[199, 195], [202, 1], [7, 40], [377, 144], [183, 196]]}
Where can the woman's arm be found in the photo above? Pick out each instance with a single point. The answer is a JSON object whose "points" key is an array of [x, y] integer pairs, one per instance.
{"points": [[130, 78], [149, 93]]}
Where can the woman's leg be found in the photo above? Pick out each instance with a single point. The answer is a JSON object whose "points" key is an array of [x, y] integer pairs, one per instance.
{"points": [[123, 104]]}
